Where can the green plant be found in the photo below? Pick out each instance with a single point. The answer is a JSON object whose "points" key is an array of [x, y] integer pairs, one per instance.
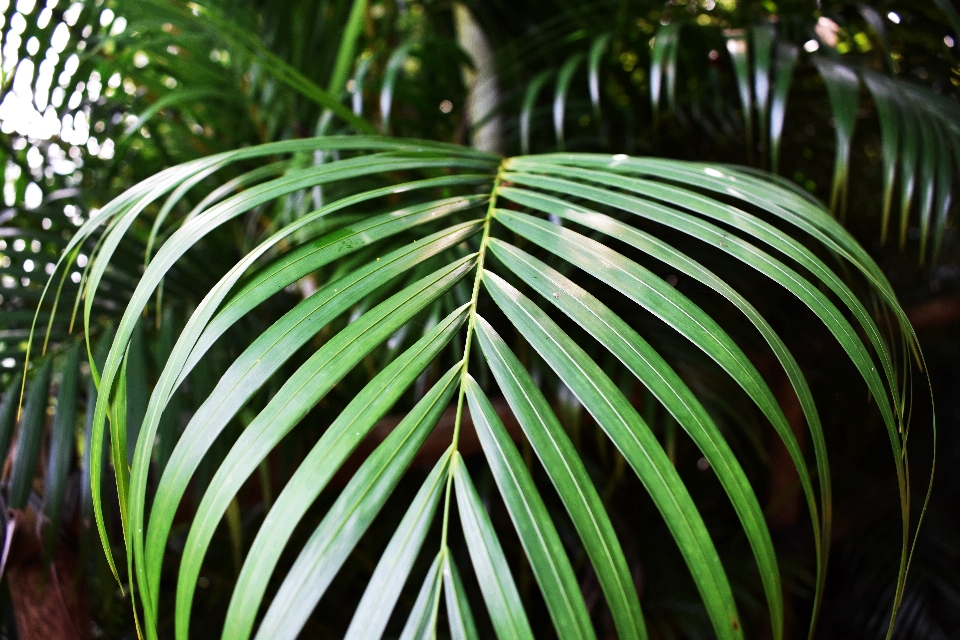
{"points": [[848, 48], [441, 258], [436, 251]]}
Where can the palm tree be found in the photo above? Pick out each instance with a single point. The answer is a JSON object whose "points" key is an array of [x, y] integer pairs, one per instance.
{"points": [[392, 367]]}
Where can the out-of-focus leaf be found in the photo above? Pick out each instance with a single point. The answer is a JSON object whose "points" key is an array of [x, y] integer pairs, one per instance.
{"points": [[33, 422], [950, 11], [872, 17], [663, 61], [843, 89], [394, 64], [347, 50], [786, 60], [890, 128], [909, 159], [62, 439], [560, 97], [529, 102], [8, 415], [738, 48], [762, 37], [593, 70]]}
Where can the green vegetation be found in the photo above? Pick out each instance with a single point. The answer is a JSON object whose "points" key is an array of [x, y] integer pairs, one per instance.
{"points": [[359, 319]]}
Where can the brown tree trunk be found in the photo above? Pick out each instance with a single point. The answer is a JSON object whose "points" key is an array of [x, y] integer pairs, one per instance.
{"points": [[49, 599]]}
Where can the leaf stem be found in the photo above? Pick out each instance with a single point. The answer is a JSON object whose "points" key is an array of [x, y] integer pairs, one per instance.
{"points": [[471, 322]]}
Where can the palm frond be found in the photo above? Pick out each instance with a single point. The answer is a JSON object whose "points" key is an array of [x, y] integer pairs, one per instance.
{"points": [[523, 231], [343, 326], [917, 124]]}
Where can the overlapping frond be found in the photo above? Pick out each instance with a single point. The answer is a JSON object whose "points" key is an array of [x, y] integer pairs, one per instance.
{"points": [[413, 314], [434, 266]]}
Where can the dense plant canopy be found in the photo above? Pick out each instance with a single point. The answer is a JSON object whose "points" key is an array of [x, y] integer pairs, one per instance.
{"points": [[348, 375]]}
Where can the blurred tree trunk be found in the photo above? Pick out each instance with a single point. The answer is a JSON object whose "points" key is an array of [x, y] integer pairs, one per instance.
{"points": [[49, 599]]}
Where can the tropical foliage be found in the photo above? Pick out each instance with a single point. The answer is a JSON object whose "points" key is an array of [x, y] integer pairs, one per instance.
{"points": [[335, 378]]}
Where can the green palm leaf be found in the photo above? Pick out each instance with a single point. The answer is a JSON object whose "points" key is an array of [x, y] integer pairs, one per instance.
{"points": [[409, 274], [391, 573], [763, 60], [489, 563], [567, 473]]}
